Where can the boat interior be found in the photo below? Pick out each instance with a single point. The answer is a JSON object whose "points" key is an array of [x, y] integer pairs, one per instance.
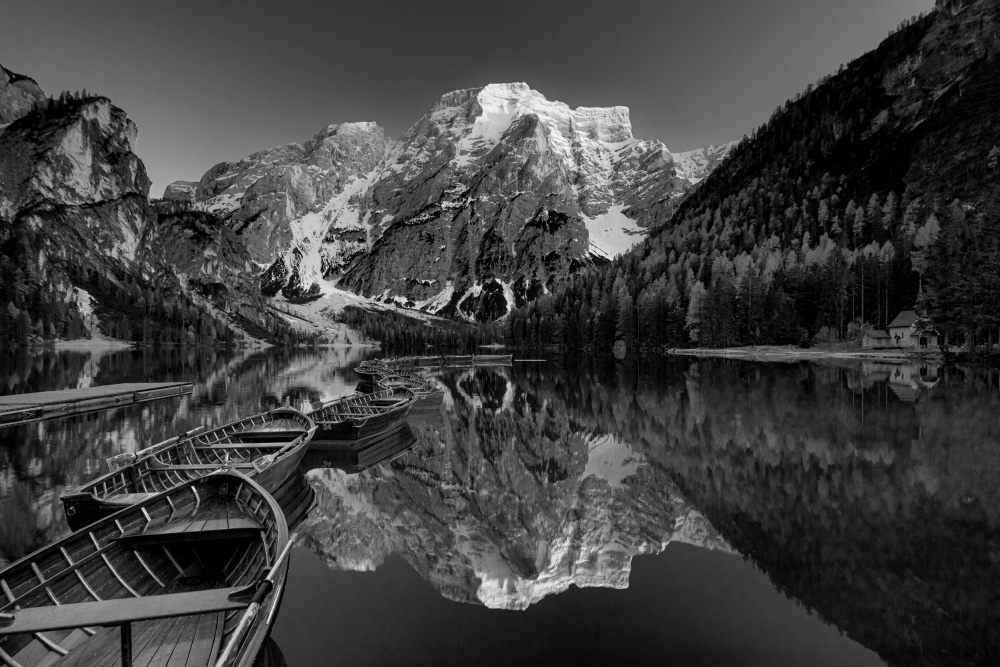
{"points": [[177, 569]]}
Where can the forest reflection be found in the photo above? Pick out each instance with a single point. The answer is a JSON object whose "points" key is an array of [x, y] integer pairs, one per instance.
{"points": [[866, 491]]}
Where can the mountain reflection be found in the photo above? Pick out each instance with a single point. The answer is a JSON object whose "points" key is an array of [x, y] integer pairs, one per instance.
{"points": [[876, 507], [867, 492], [507, 501]]}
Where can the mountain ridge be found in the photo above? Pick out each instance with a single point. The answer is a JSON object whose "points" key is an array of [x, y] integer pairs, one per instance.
{"points": [[356, 218]]}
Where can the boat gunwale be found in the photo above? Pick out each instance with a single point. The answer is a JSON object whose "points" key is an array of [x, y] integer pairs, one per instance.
{"points": [[154, 451]]}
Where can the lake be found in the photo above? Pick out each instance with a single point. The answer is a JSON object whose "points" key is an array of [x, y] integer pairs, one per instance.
{"points": [[674, 511]]}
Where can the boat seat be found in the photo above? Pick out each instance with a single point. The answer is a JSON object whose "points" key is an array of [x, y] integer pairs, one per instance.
{"points": [[128, 498], [211, 523], [124, 610], [272, 433], [156, 465]]}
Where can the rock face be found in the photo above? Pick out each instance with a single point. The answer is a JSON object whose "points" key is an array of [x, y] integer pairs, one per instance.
{"points": [[504, 504], [18, 94], [181, 191], [198, 254], [75, 208], [486, 201], [71, 171]]}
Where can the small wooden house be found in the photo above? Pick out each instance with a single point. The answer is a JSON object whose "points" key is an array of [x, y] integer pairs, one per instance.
{"points": [[875, 338], [901, 329], [908, 330]]}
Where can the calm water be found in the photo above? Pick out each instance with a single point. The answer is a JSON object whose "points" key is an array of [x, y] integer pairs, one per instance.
{"points": [[687, 512]]}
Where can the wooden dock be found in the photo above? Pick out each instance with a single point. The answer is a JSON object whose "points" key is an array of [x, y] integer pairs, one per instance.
{"points": [[24, 408]]}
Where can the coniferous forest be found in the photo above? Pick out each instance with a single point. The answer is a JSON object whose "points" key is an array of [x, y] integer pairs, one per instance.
{"points": [[868, 194]]}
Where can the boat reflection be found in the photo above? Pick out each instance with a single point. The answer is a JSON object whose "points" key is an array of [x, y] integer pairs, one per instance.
{"points": [[353, 456]]}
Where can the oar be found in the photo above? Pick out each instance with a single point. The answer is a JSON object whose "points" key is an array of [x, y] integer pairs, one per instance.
{"points": [[121, 460], [266, 460], [263, 588]]}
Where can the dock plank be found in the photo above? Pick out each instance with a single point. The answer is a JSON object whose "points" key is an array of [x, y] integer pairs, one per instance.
{"points": [[37, 406]]}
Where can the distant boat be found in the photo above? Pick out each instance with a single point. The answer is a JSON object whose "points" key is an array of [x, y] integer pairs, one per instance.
{"points": [[196, 572], [368, 371], [420, 386], [267, 447], [465, 360], [360, 415]]}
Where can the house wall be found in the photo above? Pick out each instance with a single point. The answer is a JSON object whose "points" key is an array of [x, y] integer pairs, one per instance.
{"points": [[932, 339], [904, 335]]}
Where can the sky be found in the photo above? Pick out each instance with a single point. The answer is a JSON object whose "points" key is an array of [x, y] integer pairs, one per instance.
{"points": [[212, 81]]}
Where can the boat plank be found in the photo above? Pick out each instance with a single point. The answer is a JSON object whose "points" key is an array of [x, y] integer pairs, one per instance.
{"points": [[206, 640], [31, 653], [201, 630], [70, 642], [178, 639], [104, 648], [144, 634], [123, 610]]}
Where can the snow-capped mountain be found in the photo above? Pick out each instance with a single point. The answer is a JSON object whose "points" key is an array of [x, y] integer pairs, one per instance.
{"points": [[486, 201]]}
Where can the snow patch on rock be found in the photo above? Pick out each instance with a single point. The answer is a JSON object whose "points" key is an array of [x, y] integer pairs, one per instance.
{"points": [[612, 233]]}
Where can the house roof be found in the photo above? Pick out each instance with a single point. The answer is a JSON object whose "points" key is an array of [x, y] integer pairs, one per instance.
{"points": [[904, 319], [877, 333]]}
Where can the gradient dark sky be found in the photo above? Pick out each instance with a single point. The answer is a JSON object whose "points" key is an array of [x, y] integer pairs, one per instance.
{"points": [[212, 81]]}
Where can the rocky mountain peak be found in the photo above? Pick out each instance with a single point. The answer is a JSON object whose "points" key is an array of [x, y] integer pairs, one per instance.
{"points": [[486, 200], [18, 94]]}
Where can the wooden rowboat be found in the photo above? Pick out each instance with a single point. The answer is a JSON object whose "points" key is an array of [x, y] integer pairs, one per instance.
{"points": [[421, 387], [360, 415], [368, 371], [192, 576], [267, 447]]}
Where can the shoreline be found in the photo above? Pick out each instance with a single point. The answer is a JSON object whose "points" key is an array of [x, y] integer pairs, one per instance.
{"points": [[788, 353], [91, 344]]}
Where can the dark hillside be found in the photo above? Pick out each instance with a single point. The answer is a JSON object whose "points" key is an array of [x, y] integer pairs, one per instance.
{"points": [[828, 219]]}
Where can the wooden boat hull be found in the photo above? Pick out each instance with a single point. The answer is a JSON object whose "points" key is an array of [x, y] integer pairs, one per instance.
{"points": [[366, 375], [360, 416], [357, 455], [121, 488], [179, 570], [357, 429], [270, 655], [295, 496], [83, 509]]}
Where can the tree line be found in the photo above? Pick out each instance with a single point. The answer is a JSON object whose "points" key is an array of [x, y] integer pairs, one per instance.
{"points": [[828, 220], [405, 334]]}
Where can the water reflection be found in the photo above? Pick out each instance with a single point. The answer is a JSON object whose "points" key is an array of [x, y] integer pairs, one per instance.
{"points": [[38, 461], [878, 511], [507, 501], [867, 492]]}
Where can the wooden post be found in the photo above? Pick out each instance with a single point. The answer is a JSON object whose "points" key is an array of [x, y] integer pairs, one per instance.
{"points": [[126, 645]]}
